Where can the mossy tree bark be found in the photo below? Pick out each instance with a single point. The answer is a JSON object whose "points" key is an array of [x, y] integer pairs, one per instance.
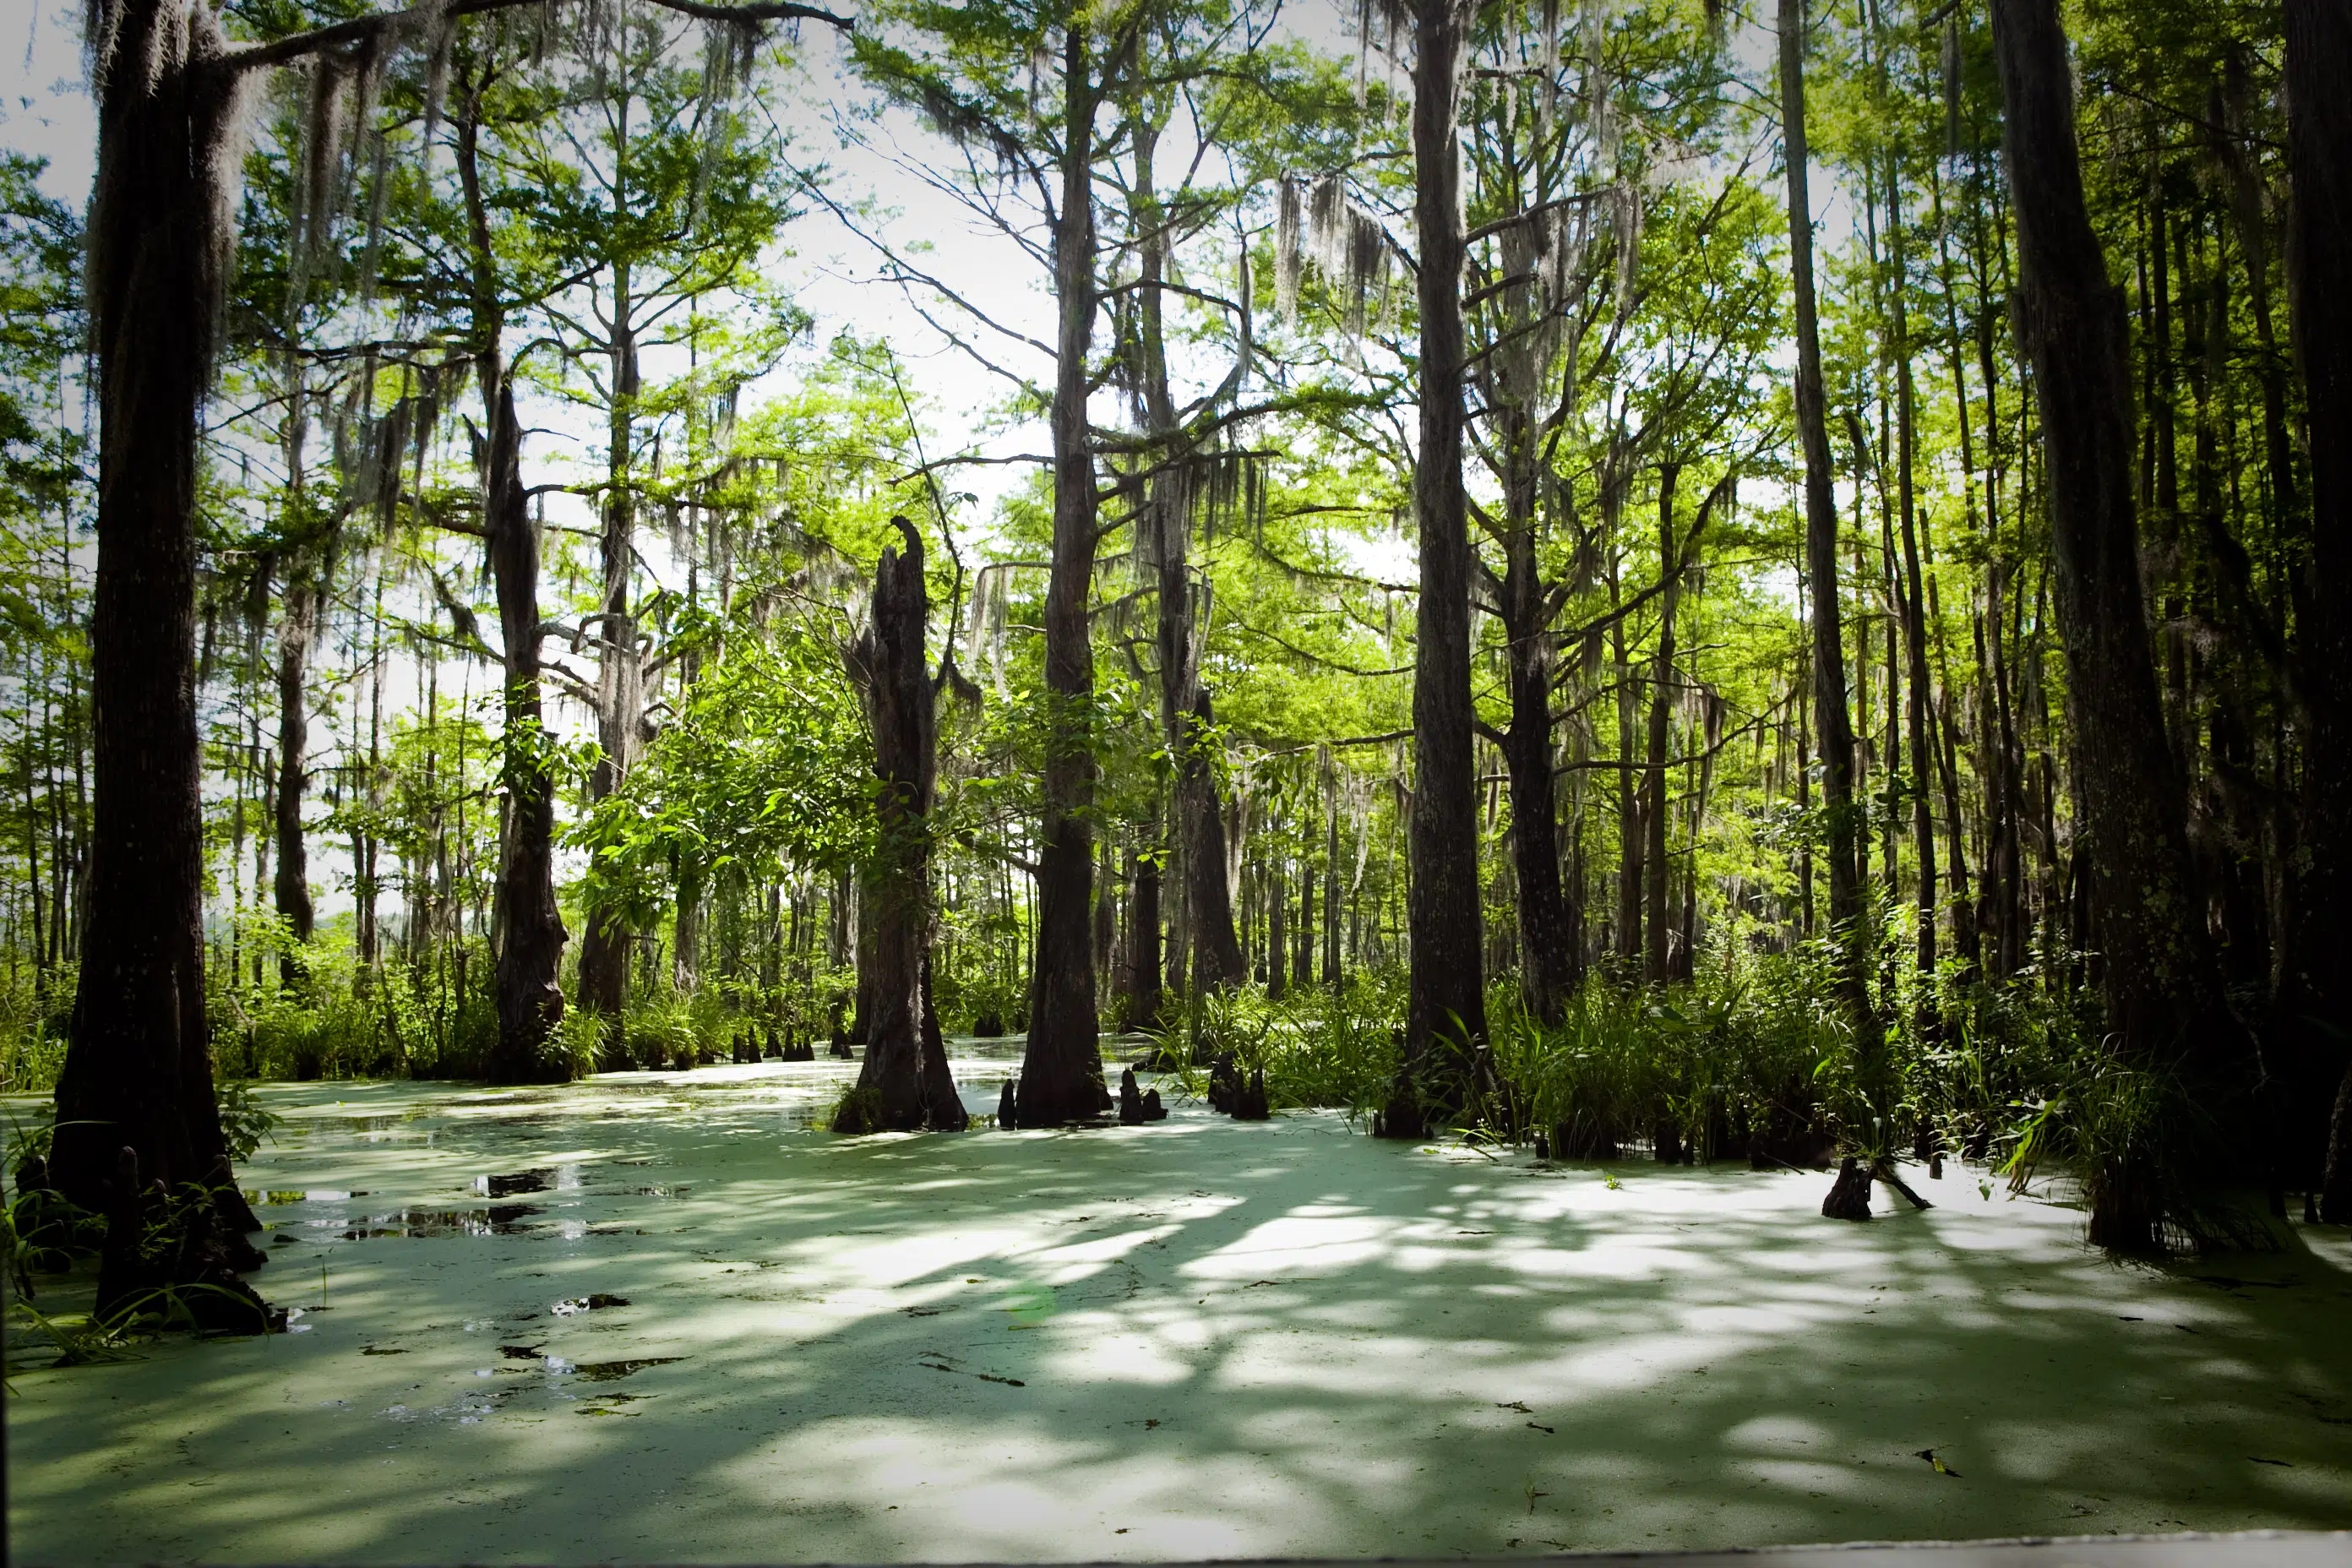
{"points": [[1446, 1012], [138, 1073], [2162, 984], [1061, 1068], [903, 1085]]}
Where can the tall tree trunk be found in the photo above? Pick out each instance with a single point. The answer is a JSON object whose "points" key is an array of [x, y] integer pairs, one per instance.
{"points": [[138, 1071], [1918, 695], [1547, 962], [292, 886], [605, 954], [1631, 836], [1657, 926], [2157, 970], [531, 935], [1061, 1069], [528, 935], [1277, 930], [904, 1084], [1143, 957], [1446, 1010], [1331, 898], [1207, 912], [1832, 720], [2319, 240]]}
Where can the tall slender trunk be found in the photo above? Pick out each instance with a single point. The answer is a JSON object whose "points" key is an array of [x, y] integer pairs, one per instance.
{"points": [[1919, 698], [2319, 241], [1061, 1071], [138, 1070], [1144, 953], [1657, 927], [1276, 929], [604, 951], [1832, 722], [1205, 904], [2159, 971], [1446, 1010], [1631, 836], [292, 886], [904, 1084], [1547, 962], [528, 936], [1331, 898]]}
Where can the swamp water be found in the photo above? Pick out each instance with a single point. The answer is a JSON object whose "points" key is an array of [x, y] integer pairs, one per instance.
{"points": [[658, 1316]]}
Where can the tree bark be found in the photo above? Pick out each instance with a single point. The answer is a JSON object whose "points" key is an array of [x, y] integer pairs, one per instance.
{"points": [[1656, 927], [292, 885], [1832, 720], [1546, 960], [1445, 1009], [605, 954], [528, 937], [2319, 241], [2157, 970], [1208, 890], [1061, 1068], [901, 1088], [1143, 957], [138, 1072], [531, 935]]}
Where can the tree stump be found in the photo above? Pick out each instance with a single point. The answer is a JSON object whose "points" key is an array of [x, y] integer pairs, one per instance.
{"points": [[1225, 1083], [1849, 1197], [1249, 1101]]}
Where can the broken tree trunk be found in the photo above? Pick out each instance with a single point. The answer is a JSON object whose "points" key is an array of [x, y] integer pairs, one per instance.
{"points": [[903, 1085]]}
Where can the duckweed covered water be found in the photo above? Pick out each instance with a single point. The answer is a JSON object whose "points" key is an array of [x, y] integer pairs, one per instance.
{"points": [[657, 1316]]}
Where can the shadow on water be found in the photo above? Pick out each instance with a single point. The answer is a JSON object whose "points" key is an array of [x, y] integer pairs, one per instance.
{"points": [[1194, 1339]]}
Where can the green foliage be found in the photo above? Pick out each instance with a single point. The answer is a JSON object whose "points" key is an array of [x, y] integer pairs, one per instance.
{"points": [[34, 1011], [246, 1123]]}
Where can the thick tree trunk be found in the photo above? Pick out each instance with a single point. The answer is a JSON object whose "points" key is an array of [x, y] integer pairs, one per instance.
{"points": [[1446, 1010], [137, 1074], [531, 935], [1833, 722], [901, 1088], [2157, 970], [1061, 1069], [292, 886], [2319, 231]]}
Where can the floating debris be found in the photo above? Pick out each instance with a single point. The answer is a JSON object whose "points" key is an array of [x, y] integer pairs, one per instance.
{"points": [[497, 1219], [590, 1303], [614, 1371], [536, 1181]]}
